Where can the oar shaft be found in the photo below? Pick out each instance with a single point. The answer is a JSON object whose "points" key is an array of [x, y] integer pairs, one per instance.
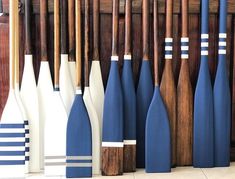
{"points": [[71, 21], [115, 27], [78, 41], [204, 16], [43, 26], [96, 16], [17, 45], [128, 27], [169, 8], [145, 29], [64, 26], [86, 43], [223, 16], [184, 18], [28, 45]]}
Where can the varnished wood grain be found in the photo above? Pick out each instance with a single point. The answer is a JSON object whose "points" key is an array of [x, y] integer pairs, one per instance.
{"points": [[129, 158], [86, 53], [71, 27], [43, 29]]}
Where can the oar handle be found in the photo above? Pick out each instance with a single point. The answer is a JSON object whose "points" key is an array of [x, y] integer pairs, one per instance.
{"points": [[63, 26], [43, 26], [56, 42], [71, 22], [28, 45], [17, 45], [96, 16], [78, 41], [145, 29], [128, 27], [12, 44], [169, 9], [155, 29], [86, 54], [184, 39], [115, 27]]}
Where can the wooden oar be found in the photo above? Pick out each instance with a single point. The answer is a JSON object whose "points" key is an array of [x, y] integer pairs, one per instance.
{"points": [[55, 125], [158, 137], [66, 84], [129, 96], [45, 86], [12, 128], [29, 96], [222, 97], [96, 82], [79, 135], [94, 120], [184, 98], [203, 131], [71, 25], [144, 91], [168, 88], [112, 139]]}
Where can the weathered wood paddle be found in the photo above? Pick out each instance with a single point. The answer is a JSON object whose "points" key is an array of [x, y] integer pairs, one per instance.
{"points": [[144, 91], [184, 98], [222, 97], [168, 88], [203, 129], [112, 139], [157, 137], [79, 135]]}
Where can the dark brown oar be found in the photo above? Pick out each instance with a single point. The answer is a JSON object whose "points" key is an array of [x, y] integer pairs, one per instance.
{"points": [[184, 98], [168, 89]]}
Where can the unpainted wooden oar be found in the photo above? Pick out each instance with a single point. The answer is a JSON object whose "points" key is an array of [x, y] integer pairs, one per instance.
{"points": [[94, 120], [129, 97], [144, 91], [203, 128], [184, 98], [66, 84], [12, 128], [168, 88], [222, 97], [29, 96], [45, 86], [112, 139], [71, 25], [79, 135], [96, 82], [158, 136]]}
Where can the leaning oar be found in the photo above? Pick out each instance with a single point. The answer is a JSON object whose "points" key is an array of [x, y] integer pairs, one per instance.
{"points": [[158, 137], [168, 89], [129, 96], [29, 96], [184, 98], [79, 136], [203, 131], [45, 86], [55, 126], [222, 97], [112, 139], [144, 91], [96, 139], [12, 129]]}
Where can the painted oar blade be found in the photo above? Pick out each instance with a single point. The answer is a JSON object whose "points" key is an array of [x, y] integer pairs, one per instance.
{"points": [[203, 143], [158, 137], [72, 68], [143, 97], [79, 141], [222, 115]]}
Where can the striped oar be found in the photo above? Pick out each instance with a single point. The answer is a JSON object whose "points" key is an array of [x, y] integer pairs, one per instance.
{"points": [[29, 96], [112, 139], [158, 137], [222, 97], [96, 139], [66, 84], [45, 86], [12, 128], [55, 126], [203, 131], [129, 96], [168, 88], [144, 91], [184, 98], [79, 136]]}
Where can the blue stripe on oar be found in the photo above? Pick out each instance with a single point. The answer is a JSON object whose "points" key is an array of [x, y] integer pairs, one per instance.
{"points": [[168, 48], [158, 138], [78, 161], [13, 126], [12, 153], [6, 144], [184, 47], [143, 98], [12, 162], [12, 135]]}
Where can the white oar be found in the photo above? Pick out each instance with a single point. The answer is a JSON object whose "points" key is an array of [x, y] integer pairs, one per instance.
{"points": [[96, 139], [29, 96], [45, 86], [12, 130]]}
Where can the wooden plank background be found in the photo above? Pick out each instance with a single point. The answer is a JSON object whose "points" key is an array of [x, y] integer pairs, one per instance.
{"points": [[105, 42]]}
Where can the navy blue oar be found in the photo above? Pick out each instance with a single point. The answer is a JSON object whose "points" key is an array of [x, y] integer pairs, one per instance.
{"points": [[112, 139], [79, 137], [129, 96], [222, 97], [203, 140], [157, 136], [144, 91]]}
